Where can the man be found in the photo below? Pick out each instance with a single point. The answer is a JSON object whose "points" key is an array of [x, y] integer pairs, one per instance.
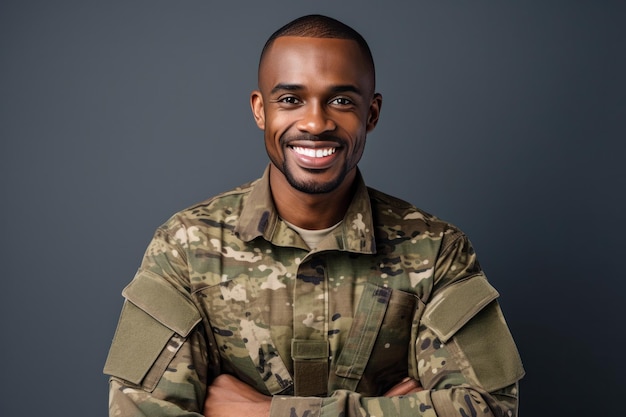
{"points": [[306, 293]]}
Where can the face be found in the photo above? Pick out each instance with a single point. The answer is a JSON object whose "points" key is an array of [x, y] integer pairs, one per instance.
{"points": [[315, 103]]}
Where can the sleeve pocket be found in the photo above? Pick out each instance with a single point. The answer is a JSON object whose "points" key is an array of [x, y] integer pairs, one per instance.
{"points": [[455, 305], [154, 321], [469, 311]]}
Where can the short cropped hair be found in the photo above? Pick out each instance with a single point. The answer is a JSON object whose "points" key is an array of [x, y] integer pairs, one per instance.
{"points": [[318, 26]]}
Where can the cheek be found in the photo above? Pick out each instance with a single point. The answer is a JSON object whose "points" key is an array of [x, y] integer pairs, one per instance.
{"points": [[274, 129], [354, 123], [356, 130], [358, 139], [359, 147], [277, 124], [271, 142]]}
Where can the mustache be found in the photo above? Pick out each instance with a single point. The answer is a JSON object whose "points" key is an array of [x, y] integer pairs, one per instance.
{"points": [[286, 138]]}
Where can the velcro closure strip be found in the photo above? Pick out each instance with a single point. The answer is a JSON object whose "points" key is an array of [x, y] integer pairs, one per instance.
{"points": [[310, 365], [309, 349], [453, 307], [162, 302]]}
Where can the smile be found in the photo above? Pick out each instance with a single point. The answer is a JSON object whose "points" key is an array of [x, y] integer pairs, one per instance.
{"points": [[314, 153]]}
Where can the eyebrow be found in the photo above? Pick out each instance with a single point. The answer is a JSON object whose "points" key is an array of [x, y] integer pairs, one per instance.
{"points": [[347, 88], [286, 87]]}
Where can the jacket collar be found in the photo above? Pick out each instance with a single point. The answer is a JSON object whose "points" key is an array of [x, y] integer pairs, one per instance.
{"points": [[260, 218]]}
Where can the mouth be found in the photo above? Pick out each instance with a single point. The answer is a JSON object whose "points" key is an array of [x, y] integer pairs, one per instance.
{"points": [[316, 156], [312, 152]]}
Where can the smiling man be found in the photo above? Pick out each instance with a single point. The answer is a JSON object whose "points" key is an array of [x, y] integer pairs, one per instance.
{"points": [[316, 104], [306, 293]]}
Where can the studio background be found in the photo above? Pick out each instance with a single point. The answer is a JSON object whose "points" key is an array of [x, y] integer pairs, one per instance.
{"points": [[504, 118]]}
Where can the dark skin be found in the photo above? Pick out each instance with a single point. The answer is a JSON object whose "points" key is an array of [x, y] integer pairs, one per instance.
{"points": [[228, 397], [312, 97], [315, 103]]}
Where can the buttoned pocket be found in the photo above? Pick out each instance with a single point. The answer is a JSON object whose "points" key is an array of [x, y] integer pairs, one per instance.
{"points": [[376, 354]]}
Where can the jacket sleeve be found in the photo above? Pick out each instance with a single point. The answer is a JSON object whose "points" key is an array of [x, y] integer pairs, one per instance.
{"points": [[158, 360], [178, 391], [466, 359]]}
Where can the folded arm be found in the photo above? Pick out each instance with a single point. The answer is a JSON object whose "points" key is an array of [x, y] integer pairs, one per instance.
{"points": [[465, 357]]}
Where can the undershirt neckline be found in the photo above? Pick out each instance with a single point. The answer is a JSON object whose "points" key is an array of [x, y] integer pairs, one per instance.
{"points": [[312, 237]]}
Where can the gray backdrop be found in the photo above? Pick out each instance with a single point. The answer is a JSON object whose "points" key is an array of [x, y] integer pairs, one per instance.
{"points": [[505, 118]]}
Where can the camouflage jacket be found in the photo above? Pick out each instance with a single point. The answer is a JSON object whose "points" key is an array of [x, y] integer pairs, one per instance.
{"points": [[227, 287]]}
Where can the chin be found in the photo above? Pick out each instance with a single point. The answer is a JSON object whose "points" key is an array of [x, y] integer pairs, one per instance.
{"points": [[312, 186]]}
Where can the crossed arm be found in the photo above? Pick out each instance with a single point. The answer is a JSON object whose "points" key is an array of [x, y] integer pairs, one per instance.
{"points": [[227, 397], [466, 367]]}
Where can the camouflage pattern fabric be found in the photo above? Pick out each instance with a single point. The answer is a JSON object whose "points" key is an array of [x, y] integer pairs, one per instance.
{"points": [[393, 291]]}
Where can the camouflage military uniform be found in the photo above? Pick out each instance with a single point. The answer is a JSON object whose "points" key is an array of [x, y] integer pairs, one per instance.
{"points": [[227, 287]]}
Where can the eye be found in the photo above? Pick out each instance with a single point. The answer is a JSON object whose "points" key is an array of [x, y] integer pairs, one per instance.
{"points": [[341, 101], [289, 100]]}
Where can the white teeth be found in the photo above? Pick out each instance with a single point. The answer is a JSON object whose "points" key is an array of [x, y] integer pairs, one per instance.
{"points": [[314, 153]]}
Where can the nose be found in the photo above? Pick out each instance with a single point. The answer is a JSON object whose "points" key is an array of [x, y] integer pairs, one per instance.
{"points": [[315, 119]]}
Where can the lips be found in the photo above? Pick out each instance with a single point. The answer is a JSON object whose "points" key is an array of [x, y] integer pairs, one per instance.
{"points": [[314, 155]]}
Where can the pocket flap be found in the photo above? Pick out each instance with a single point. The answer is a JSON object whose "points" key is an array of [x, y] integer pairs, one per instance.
{"points": [[455, 305], [138, 342], [162, 302]]}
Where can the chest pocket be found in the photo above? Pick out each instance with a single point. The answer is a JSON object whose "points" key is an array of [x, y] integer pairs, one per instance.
{"points": [[376, 353], [238, 314]]}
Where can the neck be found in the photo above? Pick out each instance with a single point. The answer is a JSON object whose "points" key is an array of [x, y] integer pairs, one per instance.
{"points": [[310, 211]]}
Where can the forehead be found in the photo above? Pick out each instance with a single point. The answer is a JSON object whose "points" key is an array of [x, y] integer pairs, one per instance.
{"points": [[293, 59]]}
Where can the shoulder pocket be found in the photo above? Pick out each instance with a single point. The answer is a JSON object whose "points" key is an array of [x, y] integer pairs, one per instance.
{"points": [[469, 311], [455, 305], [154, 320]]}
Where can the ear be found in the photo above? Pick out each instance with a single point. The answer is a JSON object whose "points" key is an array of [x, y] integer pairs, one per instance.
{"points": [[258, 111], [374, 112]]}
